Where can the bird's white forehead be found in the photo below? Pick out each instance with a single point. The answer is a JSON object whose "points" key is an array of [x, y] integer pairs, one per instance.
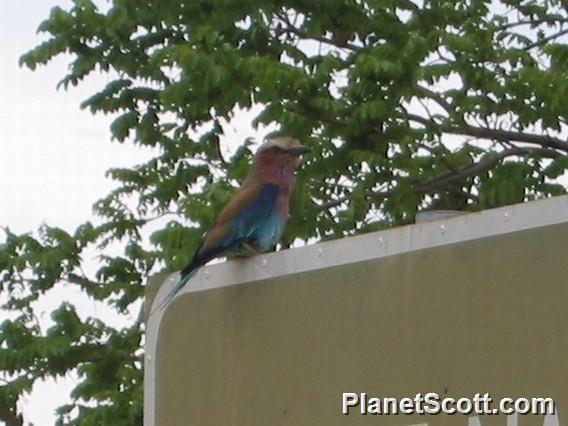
{"points": [[281, 142]]}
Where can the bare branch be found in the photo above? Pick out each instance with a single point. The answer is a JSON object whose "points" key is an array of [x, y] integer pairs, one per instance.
{"points": [[441, 157], [291, 29], [437, 97], [482, 165], [423, 120], [145, 220], [495, 134], [454, 176], [532, 22], [546, 40]]}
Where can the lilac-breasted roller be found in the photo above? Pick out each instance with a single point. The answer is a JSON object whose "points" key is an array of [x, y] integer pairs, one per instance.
{"points": [[253, 221]]}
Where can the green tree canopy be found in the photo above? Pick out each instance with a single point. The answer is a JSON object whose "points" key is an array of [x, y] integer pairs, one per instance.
{"points": [[408, 105]]}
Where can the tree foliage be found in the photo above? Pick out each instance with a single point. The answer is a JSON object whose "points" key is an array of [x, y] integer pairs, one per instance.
{"points": [[409, 105]]}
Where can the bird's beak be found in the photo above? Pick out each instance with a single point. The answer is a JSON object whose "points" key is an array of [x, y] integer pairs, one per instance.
{"points": [[299, 150]]}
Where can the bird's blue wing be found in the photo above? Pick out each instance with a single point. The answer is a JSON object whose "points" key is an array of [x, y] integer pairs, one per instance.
{"points": [[254, 216], [246, 224]]}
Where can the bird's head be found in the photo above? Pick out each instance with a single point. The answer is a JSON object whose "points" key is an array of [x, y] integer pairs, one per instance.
{"points": [[276, 159], [281, 152]]}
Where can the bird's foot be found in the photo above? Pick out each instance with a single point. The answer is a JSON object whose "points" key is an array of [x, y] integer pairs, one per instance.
{"points": [[247, 250]]}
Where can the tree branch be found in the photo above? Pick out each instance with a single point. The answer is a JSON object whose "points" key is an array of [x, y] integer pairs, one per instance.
{"points": [[495, 134], [482, 165], [291, 29], [531, 22], [453, 176], [437, 97], [545, 40]]}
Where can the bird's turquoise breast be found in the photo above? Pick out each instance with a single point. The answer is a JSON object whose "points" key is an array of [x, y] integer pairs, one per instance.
{"points": [[268, 232], [260, 225]]}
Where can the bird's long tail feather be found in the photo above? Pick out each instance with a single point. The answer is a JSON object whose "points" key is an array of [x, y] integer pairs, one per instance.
{"points": [[180, 284]]}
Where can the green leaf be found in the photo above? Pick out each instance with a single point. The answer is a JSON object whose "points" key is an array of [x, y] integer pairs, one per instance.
{"points": [[122, 125]]}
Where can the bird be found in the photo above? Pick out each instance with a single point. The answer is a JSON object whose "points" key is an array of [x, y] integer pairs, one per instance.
{"points": [[252, 222]]}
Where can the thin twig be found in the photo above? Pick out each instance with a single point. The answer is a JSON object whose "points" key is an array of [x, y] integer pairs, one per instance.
{"points": [[291, 29], [452, 177], [545, 40], [495, 134], [437, 97], [531, 22]]}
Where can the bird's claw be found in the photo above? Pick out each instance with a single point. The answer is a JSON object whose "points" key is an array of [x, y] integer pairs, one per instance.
{"points": [[247, 250]]}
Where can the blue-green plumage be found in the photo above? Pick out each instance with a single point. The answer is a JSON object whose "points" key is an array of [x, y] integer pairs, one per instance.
{"points": [[258, 225], [253, 221]]}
